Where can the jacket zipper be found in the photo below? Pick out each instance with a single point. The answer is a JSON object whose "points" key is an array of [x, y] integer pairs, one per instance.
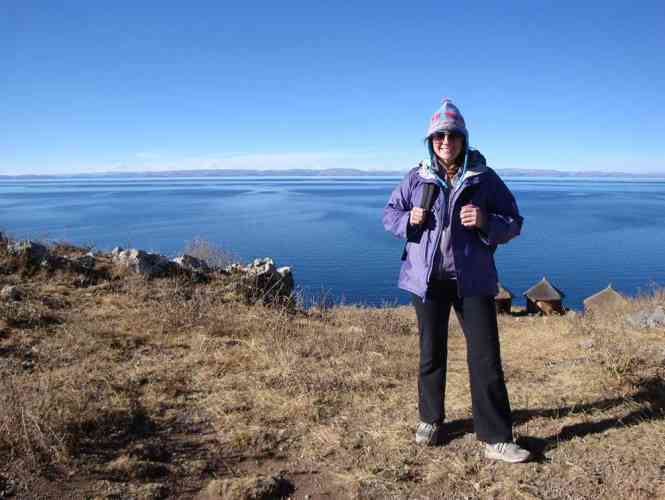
{"points": [[448, 217], [462, 186], [438, 238]]}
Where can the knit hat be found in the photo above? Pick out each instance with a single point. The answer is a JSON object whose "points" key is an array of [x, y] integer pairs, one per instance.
{"points": [[447, 119]]}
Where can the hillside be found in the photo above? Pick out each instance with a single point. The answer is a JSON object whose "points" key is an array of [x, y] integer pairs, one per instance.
{"points": [[117, 386]]}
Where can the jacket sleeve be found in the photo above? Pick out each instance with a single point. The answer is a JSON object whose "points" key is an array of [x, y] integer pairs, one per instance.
{"points": [[396, 211], [504, 221]]}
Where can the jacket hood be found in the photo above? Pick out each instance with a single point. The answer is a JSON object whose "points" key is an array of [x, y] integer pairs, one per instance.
{"points": [[447, 118]]}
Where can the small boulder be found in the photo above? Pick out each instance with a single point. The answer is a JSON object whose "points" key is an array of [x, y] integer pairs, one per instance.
{"points": [[83, 280], [151, 265], [278, 281], [29, 250], [262, 267], [11, 292], [52, 262], [191, 263], [86, 261], [286, 277], [7, 487], [72, 265], [262, 276]]}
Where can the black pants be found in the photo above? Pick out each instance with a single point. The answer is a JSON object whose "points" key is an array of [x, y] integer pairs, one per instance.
{"points": [[477, 316]]}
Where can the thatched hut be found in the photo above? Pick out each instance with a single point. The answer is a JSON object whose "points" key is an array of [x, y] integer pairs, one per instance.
{"points": [[605, 300], [503, 300], [545, 298]]}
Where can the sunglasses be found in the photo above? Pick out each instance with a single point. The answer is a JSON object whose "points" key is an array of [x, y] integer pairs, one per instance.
{"points": [[440, 136]]}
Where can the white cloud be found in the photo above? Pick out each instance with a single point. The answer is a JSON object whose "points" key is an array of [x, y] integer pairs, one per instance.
{"points": [[268, 161], [148, 161]]}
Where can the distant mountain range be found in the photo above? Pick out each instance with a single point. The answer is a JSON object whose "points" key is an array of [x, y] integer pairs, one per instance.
{"points": [[525, 172], [339, 172]]}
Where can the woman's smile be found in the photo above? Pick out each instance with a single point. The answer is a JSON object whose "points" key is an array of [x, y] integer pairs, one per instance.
{"points": [[447, 146]]}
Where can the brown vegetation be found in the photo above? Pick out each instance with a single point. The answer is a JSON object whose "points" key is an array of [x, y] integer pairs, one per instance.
{"points": [[166, 388]]}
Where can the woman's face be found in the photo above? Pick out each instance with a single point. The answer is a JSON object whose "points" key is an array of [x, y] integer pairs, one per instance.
{"points": [[447, 146]]}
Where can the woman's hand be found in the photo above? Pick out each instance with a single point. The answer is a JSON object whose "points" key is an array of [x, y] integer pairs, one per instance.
{"points": [[417, 216], [472, 216]]}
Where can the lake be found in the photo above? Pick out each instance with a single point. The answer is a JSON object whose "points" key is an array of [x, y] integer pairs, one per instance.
{"points": [[581, 233]]}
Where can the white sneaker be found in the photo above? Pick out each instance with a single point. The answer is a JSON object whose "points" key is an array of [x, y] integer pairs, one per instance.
{"points": [[507, 452], [428, 434]]}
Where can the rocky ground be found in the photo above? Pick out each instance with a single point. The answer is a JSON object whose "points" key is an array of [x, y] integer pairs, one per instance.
{"points": [[206, 382]]}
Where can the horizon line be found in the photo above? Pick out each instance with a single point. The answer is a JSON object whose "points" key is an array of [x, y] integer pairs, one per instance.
{"points": [[331, 171]]}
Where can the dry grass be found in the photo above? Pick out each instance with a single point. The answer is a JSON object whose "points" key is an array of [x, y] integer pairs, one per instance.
{"points": [[150, 389]]}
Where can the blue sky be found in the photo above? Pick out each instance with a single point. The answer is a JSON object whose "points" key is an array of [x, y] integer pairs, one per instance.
{"points": [[127, 86]]}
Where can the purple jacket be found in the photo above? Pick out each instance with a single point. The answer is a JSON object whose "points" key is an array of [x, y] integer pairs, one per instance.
{"points": [[473, 250]]}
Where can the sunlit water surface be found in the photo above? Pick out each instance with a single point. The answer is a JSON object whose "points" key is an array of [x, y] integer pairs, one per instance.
{"points": [[580, 233]]}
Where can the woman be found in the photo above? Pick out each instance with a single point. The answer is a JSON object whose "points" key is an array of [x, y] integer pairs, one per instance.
{"points": [[448, 261]]}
